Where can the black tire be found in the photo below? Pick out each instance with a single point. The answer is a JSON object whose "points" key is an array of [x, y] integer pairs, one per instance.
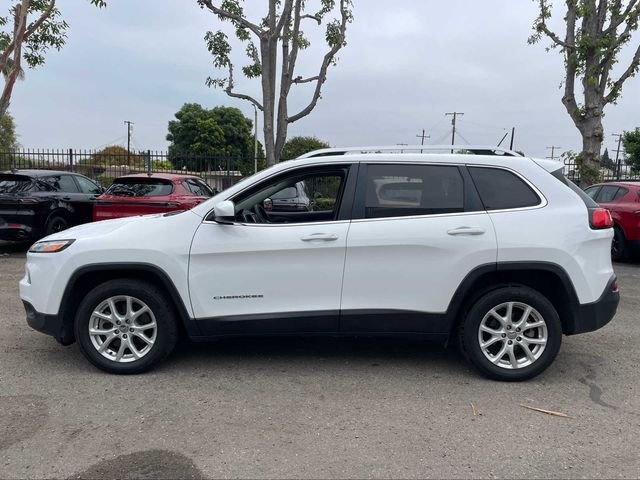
{"points": [[55, 224], [164, 312], [470, 328], [619, 249]]}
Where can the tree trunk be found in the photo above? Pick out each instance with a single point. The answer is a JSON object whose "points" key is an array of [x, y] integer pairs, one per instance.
{"points": [[589, 159], [268, 55]]}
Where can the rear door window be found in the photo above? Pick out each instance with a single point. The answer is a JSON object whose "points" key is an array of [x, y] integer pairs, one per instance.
{"points": [[407, 190], [140, 187], [501, 189], [621, 193], [62, 183], [607, 194]]}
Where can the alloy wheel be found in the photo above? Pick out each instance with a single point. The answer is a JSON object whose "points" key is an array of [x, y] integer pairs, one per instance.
{"points": [[513, 335], [123, 329]]}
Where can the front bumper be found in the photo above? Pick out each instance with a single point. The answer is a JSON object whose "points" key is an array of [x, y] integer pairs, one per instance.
{"points": [[49, 324], [592, 316]]}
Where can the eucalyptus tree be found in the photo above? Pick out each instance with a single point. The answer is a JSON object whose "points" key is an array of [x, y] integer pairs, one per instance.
{"points": [[281, 32], [28, 30], [594, 34]]}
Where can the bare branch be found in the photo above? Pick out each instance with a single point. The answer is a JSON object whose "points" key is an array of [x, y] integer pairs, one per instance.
{"points": [[571, 65], [229, 90], [285, 17], [616, 87], [299, 79], [243, 22], [617, 19], [326, 62]]}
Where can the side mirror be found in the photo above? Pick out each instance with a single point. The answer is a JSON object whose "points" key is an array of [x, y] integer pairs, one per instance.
{"points": [[225, 212]]}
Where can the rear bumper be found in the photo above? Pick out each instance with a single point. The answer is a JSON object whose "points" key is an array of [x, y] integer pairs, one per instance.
{"points": [[15, 232], [48, 324], [592, 316]]}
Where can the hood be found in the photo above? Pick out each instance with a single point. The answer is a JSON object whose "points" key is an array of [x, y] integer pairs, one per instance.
{"points": [[100, 229]]}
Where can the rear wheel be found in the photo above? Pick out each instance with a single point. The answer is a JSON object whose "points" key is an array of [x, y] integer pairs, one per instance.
{"points": [[125, 326], [55, 224], [619, 250], [511, 334]]}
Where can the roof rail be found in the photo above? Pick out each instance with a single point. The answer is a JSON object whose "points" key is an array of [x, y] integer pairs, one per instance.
{"points": [[474, 149]]}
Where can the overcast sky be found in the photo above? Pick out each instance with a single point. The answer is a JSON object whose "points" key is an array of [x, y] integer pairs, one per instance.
{"points": [[407, 63]]}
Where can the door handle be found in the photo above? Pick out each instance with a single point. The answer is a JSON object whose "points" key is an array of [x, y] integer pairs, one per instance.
{"points": [[467, 231], [326, 237]]}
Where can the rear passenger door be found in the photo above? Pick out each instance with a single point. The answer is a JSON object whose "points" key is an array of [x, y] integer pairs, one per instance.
{"points": [[417, 231], [66, 189]]}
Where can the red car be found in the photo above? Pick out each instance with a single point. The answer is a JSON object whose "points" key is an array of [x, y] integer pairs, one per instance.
{"points": [[156, 193], [622, 199]]}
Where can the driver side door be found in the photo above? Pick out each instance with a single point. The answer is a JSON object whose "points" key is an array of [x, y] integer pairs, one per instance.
{"points": [[275, 270]]}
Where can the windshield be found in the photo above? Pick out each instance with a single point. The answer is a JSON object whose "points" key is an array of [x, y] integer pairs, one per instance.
{"points": [[15, 184], [140, 187]]}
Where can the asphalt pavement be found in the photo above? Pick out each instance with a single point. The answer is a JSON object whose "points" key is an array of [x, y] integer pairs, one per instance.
{"points": [[321, 408]]}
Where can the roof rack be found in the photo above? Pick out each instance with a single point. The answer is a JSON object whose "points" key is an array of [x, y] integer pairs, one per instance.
{"points": [[473, 149]]}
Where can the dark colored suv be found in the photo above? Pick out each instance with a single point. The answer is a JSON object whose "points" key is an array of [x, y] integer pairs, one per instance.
{"points": [[36, 203]]}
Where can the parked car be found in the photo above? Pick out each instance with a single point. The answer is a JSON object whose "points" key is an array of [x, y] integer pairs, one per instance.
{"points": [[289, 199], [35, 203], [500, 252], [622, 199], [145, 194]]}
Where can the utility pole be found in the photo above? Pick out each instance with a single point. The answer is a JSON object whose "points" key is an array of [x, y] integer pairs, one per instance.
{"points": [[453, 123], [129, 132], [618, 161], [423, 136], [402, 145], [255, 140], [553, 151]]}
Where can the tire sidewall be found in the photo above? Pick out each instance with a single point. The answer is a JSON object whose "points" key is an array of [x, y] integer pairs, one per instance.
{"points": [[471, 325], [49, 227], [622, 245], [166, 327]]}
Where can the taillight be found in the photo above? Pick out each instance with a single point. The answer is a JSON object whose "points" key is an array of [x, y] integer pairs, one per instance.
{"points": [[600, 218]]}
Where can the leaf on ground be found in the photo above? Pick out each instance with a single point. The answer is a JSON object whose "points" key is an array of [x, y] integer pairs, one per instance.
{"points": [[474, 409]]}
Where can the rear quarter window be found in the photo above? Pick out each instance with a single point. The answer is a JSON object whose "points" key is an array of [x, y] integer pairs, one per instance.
{"points": [[586, 198], [10, 184], [143, 187], [501, 189]]}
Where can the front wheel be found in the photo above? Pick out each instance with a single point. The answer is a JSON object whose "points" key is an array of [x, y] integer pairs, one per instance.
{"points": [[511, 334], [125, 326]]}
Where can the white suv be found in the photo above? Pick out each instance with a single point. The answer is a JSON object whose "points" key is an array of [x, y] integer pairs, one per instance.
{"points": [[494, 249]]}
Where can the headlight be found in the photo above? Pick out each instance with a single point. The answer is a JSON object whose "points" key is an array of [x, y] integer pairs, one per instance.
{"points": [[50, 246]]}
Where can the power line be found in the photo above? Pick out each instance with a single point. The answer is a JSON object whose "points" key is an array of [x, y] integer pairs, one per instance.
{"points": [[453, 123]]}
